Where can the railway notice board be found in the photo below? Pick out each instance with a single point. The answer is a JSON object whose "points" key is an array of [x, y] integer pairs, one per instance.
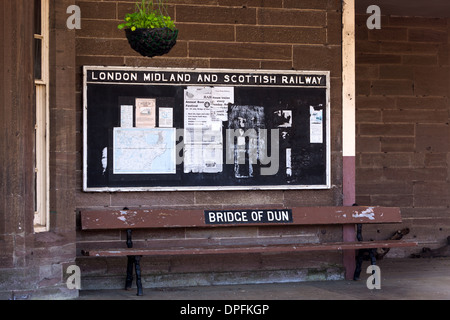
{"points": [[154, 129]]}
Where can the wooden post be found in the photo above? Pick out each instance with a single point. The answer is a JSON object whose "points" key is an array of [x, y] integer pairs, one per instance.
{"points": [[349, 124]]}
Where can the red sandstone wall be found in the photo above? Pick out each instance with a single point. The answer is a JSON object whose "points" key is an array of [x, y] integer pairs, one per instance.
{"points": [[403, 110]]}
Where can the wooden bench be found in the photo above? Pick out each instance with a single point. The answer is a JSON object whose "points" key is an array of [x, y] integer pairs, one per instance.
{"points": [[194, 218]]}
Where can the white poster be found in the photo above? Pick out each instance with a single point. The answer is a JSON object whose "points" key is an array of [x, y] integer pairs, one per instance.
{"points": [[316, 125], [197, 106], [203, 150], [205, 108]]}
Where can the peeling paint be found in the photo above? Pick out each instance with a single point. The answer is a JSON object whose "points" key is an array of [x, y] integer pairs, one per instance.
{"points": [[368, 213]]}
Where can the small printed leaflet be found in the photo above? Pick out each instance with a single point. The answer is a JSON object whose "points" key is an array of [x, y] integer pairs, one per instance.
{"points": [[316, 125], [166, 117], [145, 113]]}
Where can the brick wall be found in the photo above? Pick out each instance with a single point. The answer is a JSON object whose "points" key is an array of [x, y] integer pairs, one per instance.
{"points": [[253, 34], [403, 137]]}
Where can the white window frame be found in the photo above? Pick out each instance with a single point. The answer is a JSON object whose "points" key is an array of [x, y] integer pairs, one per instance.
{"points": [[42, 141]]}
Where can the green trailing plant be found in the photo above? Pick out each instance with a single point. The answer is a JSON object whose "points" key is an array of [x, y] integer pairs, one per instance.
{"points": [[148, 16]]}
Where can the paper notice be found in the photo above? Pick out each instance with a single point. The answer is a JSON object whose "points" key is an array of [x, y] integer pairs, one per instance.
{"points": [[316, 125], [197, 106], [212, 158], [165, 117], [203, 150], [205, 104], [221, 97], [145, 113], [126, 116], [204, 112]]}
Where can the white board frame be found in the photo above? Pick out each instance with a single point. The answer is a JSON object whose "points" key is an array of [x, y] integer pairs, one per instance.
{"points": [[327, 185]]}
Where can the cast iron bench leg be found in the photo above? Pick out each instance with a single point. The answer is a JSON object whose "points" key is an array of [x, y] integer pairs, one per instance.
{"points": [[129, 279], [137, 264], [360, 254], [136, 261], [373, 257], [359, 260]]}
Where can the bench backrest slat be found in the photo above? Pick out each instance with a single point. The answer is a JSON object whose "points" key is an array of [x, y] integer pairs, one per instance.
{"points": [[183, 218]]}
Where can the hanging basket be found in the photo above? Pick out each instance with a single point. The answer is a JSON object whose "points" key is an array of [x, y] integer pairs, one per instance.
{"points": [[152, 42]]}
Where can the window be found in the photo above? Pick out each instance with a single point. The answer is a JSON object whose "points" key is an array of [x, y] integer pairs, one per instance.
{"points": [[41, 81]]}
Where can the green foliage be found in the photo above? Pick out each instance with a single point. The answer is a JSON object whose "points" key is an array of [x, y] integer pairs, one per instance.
{"points": [[146, 16]]}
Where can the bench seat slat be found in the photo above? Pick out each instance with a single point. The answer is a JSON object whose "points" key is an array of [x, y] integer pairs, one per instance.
{"points": [[250, 249], [188, 218]]}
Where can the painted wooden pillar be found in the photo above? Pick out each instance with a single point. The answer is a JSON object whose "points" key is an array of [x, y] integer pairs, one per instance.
{"points": [[349, 125]]}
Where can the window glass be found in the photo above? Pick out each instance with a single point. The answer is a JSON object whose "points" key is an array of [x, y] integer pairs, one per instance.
{"points": [[37, 59], [37, 16]]}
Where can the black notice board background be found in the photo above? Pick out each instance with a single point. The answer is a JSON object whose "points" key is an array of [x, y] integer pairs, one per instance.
{"points": [[309, 160]]}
